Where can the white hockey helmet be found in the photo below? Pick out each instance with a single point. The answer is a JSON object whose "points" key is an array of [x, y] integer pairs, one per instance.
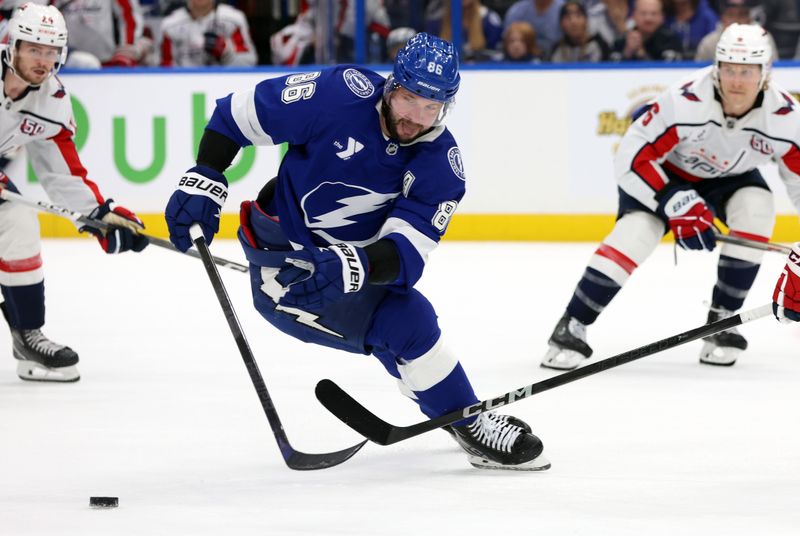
{"points": [[747, 44], [35, 23]]}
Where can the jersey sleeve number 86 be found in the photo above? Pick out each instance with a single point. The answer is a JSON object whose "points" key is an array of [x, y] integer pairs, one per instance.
{"points": [[299, 86]]}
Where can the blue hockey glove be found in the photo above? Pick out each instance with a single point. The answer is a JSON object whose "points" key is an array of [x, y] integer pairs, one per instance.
{"points": [[123, 235], [319, 277], [690, 219], [199, 198]]}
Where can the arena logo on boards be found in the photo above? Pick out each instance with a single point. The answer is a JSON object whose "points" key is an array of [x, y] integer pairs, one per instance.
{"points": [[615, 123], [123, 137]]}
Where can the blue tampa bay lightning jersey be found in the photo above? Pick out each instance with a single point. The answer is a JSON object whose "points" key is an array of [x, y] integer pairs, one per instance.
{"points": [[342, 179]]}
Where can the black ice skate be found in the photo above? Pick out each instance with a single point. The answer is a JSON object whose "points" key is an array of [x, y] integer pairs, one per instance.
{"points": [[492, 442], [722, 348], [568, 346], [41, 359]]}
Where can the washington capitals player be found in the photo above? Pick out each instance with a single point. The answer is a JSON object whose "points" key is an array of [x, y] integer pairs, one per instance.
{"points": [[786, 298], [36, 112], [337, 241], [691, 156]]}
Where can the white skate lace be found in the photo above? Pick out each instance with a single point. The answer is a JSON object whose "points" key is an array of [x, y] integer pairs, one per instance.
{"points": [[37, 340], [494, 431], [577, 328]]}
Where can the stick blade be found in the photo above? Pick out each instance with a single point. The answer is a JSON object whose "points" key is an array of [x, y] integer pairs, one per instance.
{"points": [[301, 461], [353, 414]]}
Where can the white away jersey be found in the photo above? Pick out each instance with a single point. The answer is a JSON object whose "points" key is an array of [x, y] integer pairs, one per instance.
{"points": [[686, 133], [41, 120], [182, 38]]}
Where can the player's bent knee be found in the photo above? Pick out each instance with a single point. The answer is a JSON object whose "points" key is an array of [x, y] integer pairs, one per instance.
{"points": [[750, 214], [405, 325], [633, 239]]}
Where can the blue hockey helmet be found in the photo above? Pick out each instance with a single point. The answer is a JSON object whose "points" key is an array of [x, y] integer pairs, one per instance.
{"points": [[428, 66]]}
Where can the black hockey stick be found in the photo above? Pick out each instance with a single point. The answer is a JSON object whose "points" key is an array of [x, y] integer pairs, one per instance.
{"points": [[363, 421], [7, 195], [754, 244], [294, 458]]}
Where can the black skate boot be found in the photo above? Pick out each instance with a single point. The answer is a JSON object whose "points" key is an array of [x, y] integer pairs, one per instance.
{"points": [[41, 359], [722, 348], [491, 442], [568, 346]]}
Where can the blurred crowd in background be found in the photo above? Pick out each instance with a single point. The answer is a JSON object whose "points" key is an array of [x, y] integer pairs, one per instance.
{"points": [[196, 33]]}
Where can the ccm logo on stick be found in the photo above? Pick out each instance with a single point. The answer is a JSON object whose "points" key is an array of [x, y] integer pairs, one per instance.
{"points": [[494, 403]]}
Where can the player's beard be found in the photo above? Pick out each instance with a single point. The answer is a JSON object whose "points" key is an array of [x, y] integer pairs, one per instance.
{"points": [[28, 75], [392, 122]]}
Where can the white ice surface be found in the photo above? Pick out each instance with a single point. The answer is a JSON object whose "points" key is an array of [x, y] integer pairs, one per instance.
{"points": [[165, 416]]}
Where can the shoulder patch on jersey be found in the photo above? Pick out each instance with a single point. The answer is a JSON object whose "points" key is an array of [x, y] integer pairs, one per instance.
{"points": [[787, 108], [358, 83], [443, 215], [456, 164], [688, 94]]}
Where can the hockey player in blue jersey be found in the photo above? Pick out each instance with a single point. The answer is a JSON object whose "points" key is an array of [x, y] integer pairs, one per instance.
{"points": [[338, 239]]}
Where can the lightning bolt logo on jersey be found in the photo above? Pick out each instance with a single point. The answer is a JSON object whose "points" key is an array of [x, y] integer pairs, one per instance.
{"points": [[333, 207], [342, 179]]}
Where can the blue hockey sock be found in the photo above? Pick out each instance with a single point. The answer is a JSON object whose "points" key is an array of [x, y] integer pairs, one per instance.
{"points": [[593, 293], [24, 305], [734, 279], [452, 393]]}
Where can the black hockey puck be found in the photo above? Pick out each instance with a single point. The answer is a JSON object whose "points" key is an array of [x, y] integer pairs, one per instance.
{"points": [[104, 502]]}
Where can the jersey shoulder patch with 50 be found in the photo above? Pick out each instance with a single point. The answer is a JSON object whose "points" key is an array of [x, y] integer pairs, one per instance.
{"points": [[299, 87]]}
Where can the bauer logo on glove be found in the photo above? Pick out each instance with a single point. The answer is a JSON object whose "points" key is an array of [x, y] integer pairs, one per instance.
{"points": [[352, 269], [196, 184]]}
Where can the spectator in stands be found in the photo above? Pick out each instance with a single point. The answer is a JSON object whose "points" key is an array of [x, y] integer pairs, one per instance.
{"points": [[101, 32], [730, 11], [609, 19], [482, 30], [519, 44], [204, 32], [782, 20], [397, 39], [543, 16], [690, 21], [649, 39], [577, 44], [499, 6], [298, 40], [378, 27], [294, 44]]}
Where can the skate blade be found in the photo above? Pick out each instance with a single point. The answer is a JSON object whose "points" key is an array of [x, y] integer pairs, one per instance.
{"points": [[721, 356], [540, 463], [35, 372], [561, 359]]}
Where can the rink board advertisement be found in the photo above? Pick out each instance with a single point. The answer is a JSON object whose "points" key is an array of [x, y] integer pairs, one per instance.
{"points": [[537, 144]]}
